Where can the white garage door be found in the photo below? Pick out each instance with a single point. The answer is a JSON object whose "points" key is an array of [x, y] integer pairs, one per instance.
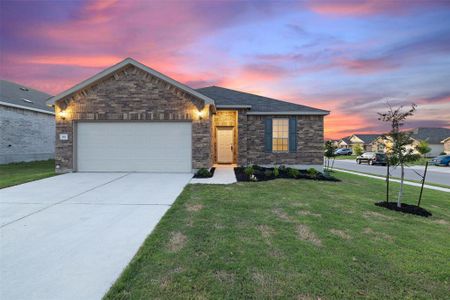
{"points": [[134, 146]]}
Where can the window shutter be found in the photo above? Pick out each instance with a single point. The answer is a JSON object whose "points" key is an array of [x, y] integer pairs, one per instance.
{"points": [[268, 135], [292, 134]]}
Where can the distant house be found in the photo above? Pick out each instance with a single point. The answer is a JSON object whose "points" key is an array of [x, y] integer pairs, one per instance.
{"points": [[27, 124], [433, 136], [366, 141], [446, 143]]}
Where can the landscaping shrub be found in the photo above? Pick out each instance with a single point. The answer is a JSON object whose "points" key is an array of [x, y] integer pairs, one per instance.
{"points": [[276, 172], [258, 173], [293, 173], [249, 171], [312, 172], [204, 173]]}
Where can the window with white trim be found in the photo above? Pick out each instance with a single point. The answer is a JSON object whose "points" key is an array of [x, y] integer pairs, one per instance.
{"points": [[280, 135]]}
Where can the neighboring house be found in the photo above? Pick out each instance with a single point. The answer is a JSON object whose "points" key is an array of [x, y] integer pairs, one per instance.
{"points": [[130, 117], [366, 141], [433, 136], [344, 143], [446, 143], [27, 124]]}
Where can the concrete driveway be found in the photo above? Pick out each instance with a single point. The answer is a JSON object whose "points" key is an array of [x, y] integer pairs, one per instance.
{"points": [[70, 236]]}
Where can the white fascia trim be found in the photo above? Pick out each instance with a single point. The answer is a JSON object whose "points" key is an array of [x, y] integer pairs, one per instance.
{"points": [[444, 140], [233, 106], [287, 113], [120, 65], [26, 108]]}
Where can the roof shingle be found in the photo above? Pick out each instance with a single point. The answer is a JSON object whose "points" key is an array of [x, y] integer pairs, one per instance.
{"points": [[224, 96], [19, 95]]}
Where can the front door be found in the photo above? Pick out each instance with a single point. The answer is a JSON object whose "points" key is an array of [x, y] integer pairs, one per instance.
{"points": [[225, 145]]}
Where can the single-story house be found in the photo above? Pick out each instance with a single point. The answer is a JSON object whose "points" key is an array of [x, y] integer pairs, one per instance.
{"points": [[27, 124], [130, 117], [446, 143]]}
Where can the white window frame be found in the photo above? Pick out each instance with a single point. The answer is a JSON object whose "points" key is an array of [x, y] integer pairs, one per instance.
{"points": [[280, 132]]}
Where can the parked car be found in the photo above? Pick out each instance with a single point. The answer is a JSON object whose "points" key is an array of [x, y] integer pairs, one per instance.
{"points": [[441, 160], [343, 151], [372, 158]]}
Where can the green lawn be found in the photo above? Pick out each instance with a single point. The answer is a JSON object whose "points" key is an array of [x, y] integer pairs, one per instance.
{"points": [[17, 173], [293, 239]]}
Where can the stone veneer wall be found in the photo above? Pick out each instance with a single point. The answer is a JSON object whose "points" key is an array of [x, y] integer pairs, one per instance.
{"points": [[251, 141], [131, 94]]}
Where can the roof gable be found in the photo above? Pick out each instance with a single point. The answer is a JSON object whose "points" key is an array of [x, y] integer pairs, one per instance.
{"points": [[126, 62], [257, 104], [431, 135]]}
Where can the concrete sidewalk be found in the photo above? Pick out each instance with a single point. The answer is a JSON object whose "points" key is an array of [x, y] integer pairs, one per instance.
{"points": [[431, 187]]}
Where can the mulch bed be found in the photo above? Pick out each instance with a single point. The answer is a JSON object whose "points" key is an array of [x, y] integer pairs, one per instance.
{"points": [[265, 174], [210, 171], [405, 208]]}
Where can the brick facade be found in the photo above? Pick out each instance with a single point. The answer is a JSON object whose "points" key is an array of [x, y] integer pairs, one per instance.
{"points": [[251, 141], [131, 94]]}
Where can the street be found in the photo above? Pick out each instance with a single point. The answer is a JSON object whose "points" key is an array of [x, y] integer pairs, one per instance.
{"points": [[439, 175]]}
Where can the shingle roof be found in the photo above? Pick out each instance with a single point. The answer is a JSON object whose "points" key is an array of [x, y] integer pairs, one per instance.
{"points": [[15, 94], [431, 135], [346, 140], [367, 138], [223, 96]]}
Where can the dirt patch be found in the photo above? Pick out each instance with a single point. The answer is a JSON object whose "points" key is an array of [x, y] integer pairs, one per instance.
{"points": [[305, 233], [194, 207], [281, 214], [378, 235], [259, 278], [441, 222], [265, 231], [218, 226], [299, 204], [340, 233], [374, 214], [224, 277], [308, 213], [176, 242]]}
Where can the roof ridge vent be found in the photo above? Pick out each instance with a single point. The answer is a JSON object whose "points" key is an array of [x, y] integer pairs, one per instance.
{"points": [[27, 100], [24, 89]]}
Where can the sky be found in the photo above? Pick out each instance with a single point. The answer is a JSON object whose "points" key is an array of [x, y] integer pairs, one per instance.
{"points": [[348, 57]]}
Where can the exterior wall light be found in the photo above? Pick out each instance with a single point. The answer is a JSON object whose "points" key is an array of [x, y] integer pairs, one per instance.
{"points": [[200, 115], [63, 114]]}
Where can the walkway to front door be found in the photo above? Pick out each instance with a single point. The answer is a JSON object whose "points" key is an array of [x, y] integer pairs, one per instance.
{"points": [[224, 174]]}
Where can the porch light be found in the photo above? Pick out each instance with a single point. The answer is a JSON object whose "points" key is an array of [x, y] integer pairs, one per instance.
{"points": [[63, 114], [200, 114]]}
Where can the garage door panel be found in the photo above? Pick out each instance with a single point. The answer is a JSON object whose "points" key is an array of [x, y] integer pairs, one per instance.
{"points": [[134, 146]]}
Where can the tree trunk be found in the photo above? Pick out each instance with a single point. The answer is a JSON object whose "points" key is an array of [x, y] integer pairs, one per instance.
{"points": [[400, 193]]}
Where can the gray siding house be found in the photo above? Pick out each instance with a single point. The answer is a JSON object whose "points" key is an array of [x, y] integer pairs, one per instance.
{"points": [[27, 124]]}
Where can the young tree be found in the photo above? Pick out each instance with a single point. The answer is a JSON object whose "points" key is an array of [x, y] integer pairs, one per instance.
{"points": [[329, 154], [423, 148], [399, 154], [358, 150]]}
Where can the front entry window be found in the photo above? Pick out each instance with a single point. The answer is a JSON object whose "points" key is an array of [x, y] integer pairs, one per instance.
{"points": [[280, 135]]}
